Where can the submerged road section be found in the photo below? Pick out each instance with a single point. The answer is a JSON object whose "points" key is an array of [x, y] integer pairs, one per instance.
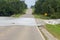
{"points": [[23, 28]]}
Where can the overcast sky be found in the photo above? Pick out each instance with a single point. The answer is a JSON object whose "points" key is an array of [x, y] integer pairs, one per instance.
{"points": [[30, 2]]}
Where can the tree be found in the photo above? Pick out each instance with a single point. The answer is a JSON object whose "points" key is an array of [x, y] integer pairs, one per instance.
{"points": [[52, 7], [10, 7]]}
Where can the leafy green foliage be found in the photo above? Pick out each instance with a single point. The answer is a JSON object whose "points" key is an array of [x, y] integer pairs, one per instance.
{"points": [[10, 7], [51, 7]]}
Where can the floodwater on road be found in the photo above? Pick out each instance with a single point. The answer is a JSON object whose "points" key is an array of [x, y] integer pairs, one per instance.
{"points": [[26, 19], [17, 21]]}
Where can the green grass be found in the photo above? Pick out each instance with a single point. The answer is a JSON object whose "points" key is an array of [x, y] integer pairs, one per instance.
{"points": [[16, 15], [41, 16], [54, 29]]}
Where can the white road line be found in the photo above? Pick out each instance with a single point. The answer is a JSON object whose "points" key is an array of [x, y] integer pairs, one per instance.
{"points": [[40, 33]]}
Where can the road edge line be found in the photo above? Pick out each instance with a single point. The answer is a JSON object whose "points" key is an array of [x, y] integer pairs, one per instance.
{"points": [[40, 33]]}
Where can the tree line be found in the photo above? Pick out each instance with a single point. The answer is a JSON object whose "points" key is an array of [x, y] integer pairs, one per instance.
{"points": [[11, 7], [51, 7]]}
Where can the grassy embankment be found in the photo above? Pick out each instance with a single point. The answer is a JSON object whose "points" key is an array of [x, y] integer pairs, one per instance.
{"points": [[41, 16], [19, 14], [16, 15], [54, 30]]}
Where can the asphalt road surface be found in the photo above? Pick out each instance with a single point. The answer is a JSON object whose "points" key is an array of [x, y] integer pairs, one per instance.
{"points": [[23, 28]]}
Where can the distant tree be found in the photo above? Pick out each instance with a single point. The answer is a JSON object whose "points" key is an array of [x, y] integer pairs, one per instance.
{"points": [[32, 6]]}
